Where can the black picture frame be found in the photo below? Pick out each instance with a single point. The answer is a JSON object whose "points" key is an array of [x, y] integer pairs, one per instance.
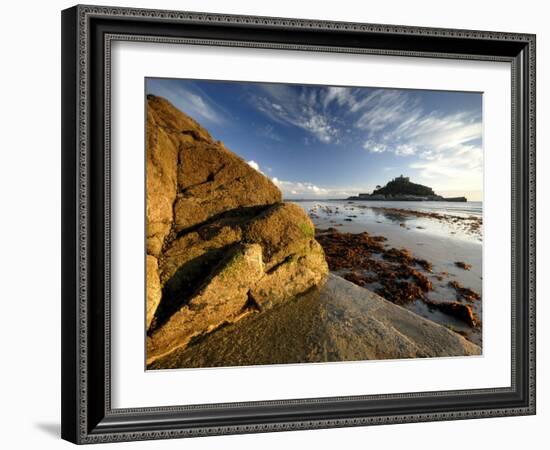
{"points": [[87, 33]]}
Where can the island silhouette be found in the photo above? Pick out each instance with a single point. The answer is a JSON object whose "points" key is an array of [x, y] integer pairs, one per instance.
{"points": [[402, 189]]}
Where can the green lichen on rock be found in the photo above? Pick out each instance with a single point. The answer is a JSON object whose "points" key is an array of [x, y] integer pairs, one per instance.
{"points": [[307, 229]]}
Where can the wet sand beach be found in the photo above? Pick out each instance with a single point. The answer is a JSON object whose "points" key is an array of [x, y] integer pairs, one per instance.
{"points": [[447, 237]]}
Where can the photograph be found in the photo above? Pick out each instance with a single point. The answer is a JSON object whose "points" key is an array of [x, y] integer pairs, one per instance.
{"points": [[301, 223]]}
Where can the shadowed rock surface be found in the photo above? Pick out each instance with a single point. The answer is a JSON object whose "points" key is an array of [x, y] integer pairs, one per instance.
{"points": [[336, 322], [220, 243]]}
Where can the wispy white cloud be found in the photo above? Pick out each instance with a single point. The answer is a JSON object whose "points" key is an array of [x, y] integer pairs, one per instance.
{"points": [[293, 188], [303, 110], [340, 95], [190, 100], [304, 189], [268, 131], [384, 108], [255, 166], [404, 150], [375, 147], [425, 134], [461, 168], [198, 106], [391, 120]]}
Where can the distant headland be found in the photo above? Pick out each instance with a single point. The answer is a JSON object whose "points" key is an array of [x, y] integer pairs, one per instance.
{"points": [[402, 189]]}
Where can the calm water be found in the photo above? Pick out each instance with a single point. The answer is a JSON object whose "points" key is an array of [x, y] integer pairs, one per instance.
{"points": [[379, 216], [462, 209]]}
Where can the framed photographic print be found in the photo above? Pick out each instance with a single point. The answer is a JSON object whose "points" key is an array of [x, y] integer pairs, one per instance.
{"points": [[280, 224]]}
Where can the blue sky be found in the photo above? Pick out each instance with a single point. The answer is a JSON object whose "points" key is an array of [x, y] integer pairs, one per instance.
{"points": [[332, 142]]}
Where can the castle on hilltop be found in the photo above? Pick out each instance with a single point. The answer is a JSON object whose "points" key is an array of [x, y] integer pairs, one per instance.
{"points": [[401, 188]]}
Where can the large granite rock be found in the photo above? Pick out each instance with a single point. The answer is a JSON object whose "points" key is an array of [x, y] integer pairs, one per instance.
{"points": [[220, 300], [339, 321], [204, 203]]}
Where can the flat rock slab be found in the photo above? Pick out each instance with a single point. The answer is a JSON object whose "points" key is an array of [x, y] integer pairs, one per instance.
{"points": [[338, 322]]}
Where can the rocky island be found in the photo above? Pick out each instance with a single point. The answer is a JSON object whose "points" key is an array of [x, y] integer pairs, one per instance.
{"points": [[236, 276], [402, 189]]}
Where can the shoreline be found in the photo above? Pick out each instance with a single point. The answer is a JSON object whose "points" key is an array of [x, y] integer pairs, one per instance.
{"points": [[426, 261]]}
